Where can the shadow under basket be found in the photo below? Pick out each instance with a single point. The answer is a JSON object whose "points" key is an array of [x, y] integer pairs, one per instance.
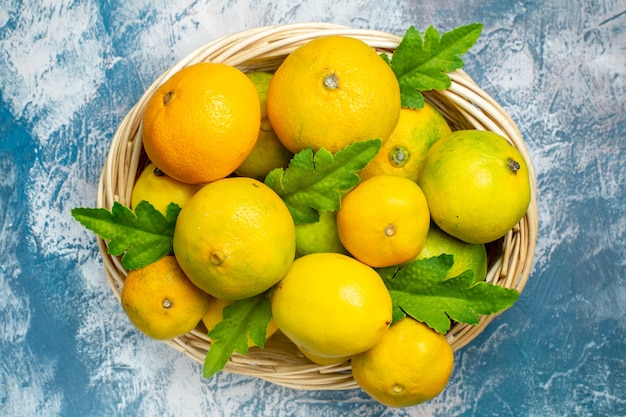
{"points": [[464, 105]]}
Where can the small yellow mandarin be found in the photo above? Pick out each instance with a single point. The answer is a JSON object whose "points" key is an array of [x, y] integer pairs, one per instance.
{"points": [[161, 301], [411, 364], [384, 221]]}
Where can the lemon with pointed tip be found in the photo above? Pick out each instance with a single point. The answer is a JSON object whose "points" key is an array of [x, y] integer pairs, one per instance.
{"points": [[332, 305]]}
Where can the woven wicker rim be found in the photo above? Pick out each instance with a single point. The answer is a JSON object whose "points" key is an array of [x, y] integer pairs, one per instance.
{"points": [[464, 105]]}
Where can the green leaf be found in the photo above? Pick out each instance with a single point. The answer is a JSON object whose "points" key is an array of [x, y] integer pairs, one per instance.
{"points": [[420, 290], [422, 64], [241, 319], [317, 181], [142, 236]]}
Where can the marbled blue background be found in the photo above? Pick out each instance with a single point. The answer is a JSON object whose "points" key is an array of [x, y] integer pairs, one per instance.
{"points": [[70, 70]]}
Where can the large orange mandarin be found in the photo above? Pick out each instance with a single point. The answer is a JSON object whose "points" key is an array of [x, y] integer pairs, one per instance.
{"points": [[202, 123], [331, 92]]}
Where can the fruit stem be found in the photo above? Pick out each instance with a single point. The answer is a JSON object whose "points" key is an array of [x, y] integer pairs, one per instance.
{"points": [[399, 155], [397, 388], [513, 165], [331, 81], [216, 258], [390, 230], [167, 98]]}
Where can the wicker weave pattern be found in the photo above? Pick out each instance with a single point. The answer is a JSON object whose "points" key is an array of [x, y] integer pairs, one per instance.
{"points": [[464, 105]]}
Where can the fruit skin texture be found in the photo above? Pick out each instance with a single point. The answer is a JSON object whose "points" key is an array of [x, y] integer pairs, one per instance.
{"points": [[472, 191], [268, 152], [472, 256], [403, 153], [202, 123], [384, 221], [160, 190], [331, 92], [235, 238], [332, 305], [319, 237], [411, 364], [161, 301]]}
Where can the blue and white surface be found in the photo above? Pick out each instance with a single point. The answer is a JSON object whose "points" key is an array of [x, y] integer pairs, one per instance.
{"points": [[69, 72]]}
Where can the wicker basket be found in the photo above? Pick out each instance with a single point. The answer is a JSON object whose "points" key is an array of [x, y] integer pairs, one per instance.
{"points": [[464, 105]]}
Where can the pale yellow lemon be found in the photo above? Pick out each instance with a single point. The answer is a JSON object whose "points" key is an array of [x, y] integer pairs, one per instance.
{"points": [[160, 190], [332, 305]]}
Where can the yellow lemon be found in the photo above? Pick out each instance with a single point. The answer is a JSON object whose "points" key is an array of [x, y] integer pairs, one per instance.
{"points": [[159, 189], [235, 238], [476, 184], [332, 305], [411, 364]]}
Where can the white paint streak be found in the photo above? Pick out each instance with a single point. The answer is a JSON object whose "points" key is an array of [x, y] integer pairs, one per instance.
{"points": [[49, 71], [26, 387], [52, 194]]}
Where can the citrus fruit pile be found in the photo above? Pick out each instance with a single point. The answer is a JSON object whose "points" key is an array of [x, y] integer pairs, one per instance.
{"points": [[214, 137]]}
